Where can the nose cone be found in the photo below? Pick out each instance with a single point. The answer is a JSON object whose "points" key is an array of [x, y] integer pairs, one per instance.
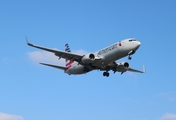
{"points": [[137, 44]]}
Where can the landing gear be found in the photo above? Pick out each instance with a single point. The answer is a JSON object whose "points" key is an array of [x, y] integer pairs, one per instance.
{"points": [[130, 53], [129, 57], [106, 74]]}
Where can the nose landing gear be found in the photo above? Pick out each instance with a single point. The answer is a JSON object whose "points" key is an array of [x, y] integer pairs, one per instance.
{"points": [[130, 53], [129, 57]]}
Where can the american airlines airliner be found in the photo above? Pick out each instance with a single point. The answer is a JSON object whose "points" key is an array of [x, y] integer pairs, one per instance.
{"points": [[103, 60]]}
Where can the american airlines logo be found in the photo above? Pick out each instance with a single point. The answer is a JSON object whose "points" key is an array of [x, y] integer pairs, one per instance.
{"points": [[108, 49]]}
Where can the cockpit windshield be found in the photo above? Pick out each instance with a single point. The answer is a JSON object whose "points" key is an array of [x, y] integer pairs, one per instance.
{"points": [[132, 40]]}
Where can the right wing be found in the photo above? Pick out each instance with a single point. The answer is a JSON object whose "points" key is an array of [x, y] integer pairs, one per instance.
{"points": [[134, 70], [60, 54], [120, 67]]}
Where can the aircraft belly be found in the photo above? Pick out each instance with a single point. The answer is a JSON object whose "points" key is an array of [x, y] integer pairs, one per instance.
{"points": [[78, 69]]}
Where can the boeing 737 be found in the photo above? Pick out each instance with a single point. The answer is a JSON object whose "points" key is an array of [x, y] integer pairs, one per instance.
{"points": [[103, 60]]}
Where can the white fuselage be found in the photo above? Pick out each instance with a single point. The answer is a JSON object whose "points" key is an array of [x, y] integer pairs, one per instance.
{"points": [[107, 55]]}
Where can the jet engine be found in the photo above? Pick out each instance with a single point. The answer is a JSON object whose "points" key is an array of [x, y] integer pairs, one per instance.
{"points": [[122, 67], [88, 58], [125, 64]]}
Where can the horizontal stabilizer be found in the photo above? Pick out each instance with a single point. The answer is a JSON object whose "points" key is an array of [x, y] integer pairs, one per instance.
{"points": [[55, 66]]}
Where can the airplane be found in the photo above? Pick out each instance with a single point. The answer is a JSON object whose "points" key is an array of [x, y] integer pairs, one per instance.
{"points": [[103, 60]]}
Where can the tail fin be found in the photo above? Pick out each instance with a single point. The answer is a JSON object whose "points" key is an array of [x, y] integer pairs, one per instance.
{"points": [[68, 62]]}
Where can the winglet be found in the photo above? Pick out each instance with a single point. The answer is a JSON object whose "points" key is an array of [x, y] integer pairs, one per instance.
{"points": [[143, 69], [28, 42]]}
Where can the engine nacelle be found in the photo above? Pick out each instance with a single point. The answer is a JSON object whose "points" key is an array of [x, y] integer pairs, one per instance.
{"points": [[122, 67], [88, 58], [125, 65]]}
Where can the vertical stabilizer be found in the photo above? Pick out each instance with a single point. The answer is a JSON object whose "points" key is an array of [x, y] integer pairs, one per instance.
{"points": [[68, 62]]}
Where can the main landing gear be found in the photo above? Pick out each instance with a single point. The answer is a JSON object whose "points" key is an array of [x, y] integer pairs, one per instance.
{"points": [[106, 74]]}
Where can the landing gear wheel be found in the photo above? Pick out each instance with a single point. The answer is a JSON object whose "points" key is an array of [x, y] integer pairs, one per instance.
{"points": [[129, 57], [106, 74]]}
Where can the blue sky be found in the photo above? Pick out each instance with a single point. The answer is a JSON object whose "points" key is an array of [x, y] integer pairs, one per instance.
{"points": [[30, 91]]}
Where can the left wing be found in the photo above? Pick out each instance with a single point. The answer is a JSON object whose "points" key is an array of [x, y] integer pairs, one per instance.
{"points": [[60, 54]]}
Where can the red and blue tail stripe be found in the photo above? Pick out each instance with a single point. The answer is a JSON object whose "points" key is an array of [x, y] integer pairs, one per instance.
{"points": [[68, 62]]}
